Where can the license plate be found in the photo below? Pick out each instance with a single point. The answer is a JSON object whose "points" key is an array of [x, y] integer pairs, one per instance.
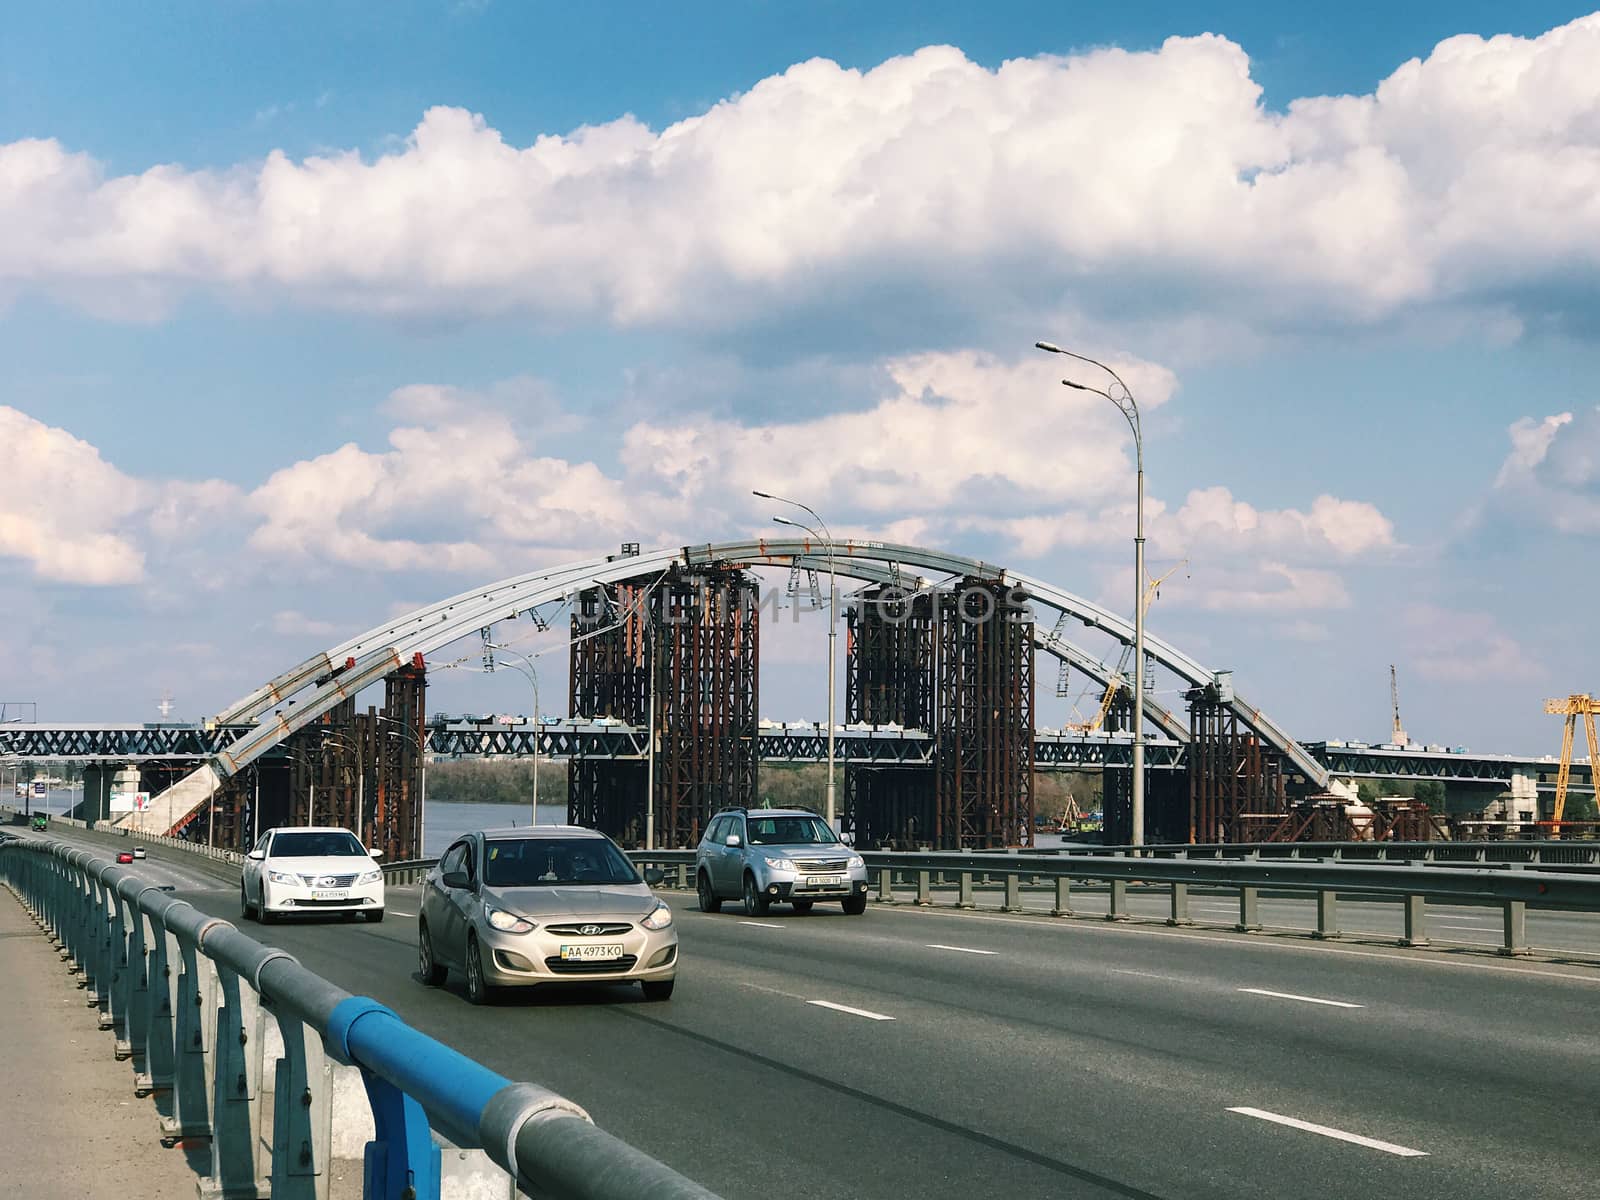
{"points": [[824, 880], [603, 952], [330, 895]]}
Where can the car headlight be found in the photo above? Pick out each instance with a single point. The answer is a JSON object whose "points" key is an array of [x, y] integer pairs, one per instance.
{"points": [[507, 922], [370, 877], [779, 864], [660, 917], [283, 877], [857, 863]]}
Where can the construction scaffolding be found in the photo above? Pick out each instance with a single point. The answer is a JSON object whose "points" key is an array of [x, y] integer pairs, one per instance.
{"points": [[891, 643], [1236, 784], [983, 730], [681, 653]]}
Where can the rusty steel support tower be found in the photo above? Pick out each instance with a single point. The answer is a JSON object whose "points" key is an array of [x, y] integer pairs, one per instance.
{"points": [[983, 730], [679, 654], [891, 643], [1236, 784]]}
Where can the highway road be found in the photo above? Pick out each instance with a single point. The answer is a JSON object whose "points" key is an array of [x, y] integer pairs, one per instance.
{"points": [[955, 1055]]}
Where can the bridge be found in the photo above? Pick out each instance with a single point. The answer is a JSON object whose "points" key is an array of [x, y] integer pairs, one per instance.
{"points": [[939, 729], [924, 1049]]}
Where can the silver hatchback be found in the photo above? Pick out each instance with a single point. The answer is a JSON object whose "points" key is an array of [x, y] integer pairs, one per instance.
{"points": [[544, 905]]}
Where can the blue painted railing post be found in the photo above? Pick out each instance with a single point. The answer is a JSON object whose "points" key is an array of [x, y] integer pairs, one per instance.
{"points": [[402, 1160]]}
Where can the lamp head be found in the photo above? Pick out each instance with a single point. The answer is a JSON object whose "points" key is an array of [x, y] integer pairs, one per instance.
{"points": [[1050, 346]]}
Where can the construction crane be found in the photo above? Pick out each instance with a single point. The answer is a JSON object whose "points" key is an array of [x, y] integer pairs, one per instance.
{"points": [[1119, 676], [1398, 737], [1573, 707]]}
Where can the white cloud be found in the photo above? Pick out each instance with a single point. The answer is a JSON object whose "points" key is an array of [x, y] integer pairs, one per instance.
{"points": [[65, 511], [292, 622], [1465, 647], [1551, 477], [1212, 524], [928, 174], [1235, 587]]}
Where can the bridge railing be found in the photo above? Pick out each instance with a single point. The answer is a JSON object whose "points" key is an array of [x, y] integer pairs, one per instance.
{"points": [[187, 997], [1565, 853], [1512, 891]]}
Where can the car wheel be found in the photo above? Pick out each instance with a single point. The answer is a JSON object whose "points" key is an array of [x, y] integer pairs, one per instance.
{"points": [[477, 989], [709, 903], [856, 905], [755, 904], [657, 989], [427, 966], [373, 915], [246, 913], [803, 906]]}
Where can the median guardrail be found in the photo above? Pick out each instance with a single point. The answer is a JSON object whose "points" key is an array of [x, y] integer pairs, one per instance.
{"points": [[1512, 891], [1548, 853], [187, 997]]}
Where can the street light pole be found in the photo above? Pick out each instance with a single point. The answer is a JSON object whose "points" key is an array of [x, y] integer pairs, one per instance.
{"points": [[1122, 397], [833, 623], [531, 674]]}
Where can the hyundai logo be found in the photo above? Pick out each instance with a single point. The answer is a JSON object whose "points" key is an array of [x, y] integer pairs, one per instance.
{"points": [[590, 930]]}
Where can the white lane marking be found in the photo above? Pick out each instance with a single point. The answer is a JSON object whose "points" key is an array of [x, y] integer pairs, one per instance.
{"points": [[1145, 974], [959, 949], [854, 1012], [1329, 1131], [761, 924], [1305, 999], [400, 912]]}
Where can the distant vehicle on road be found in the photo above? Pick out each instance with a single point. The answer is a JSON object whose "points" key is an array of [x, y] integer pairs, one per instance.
{"points": [[40, 822], [139, 852], [544, 905], [311, 869], [784, 855], [124, 856]]}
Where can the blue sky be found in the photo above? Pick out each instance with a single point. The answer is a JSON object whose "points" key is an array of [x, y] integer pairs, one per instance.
{"points": [[312, 313]]}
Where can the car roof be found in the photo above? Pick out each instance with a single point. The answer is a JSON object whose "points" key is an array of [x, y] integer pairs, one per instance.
{"points": [[310, 829], [538, 831], [769, 812]]}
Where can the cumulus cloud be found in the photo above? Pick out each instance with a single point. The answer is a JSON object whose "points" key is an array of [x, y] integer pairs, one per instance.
{"points": [[823, 188], [1465, 647], [1212, 522], [64, 511], [289, 621], [1551, 477]]}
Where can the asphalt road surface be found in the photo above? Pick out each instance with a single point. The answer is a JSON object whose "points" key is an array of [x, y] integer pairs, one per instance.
{"points": [[954, 1055]]}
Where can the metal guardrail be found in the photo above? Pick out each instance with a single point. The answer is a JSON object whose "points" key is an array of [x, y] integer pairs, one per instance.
{"points": [[1560, 853], [1512, 891], [187, 996]]}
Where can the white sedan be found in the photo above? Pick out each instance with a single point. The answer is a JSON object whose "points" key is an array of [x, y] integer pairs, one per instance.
{"points": [[307, 870]]}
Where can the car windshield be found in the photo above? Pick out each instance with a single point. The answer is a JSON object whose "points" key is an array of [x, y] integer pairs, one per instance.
{"points": [[550, 862], [789, 831], [317, 845]]}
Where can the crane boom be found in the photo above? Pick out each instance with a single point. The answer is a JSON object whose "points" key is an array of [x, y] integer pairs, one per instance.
{"points": [[1399, 736]]}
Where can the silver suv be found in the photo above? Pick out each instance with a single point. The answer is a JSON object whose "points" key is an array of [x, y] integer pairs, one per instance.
{"points": [[788, 855]]}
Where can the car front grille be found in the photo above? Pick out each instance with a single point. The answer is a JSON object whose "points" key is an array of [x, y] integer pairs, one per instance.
{"points": [[611, 966], [819, 866], [588, 929], [330, 881]]}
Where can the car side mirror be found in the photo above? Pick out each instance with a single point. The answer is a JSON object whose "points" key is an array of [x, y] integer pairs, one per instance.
{"points": [[455, 879], [376, 852], [653, 876], [734, 841], [258, 855]]}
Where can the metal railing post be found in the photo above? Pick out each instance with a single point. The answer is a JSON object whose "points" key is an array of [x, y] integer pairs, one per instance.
{"points": [[964, 891], [235, 1114], [1118, 909], [925, 888], [1013, 892], [298, 1113], [191, 1113], [1327, 914], [885, 885], [1063, 905], [1179, 913], [159, 1064], [1249, 910], [1416, 922], [1516, 927]]}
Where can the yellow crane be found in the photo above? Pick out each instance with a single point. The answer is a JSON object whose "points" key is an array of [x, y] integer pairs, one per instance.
{"points": [[1119, 676], [1574, 706]]}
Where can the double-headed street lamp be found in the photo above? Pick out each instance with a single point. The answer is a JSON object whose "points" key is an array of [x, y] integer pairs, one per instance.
{"points": [[531, 674], [1121, 395], [826, 537]]}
